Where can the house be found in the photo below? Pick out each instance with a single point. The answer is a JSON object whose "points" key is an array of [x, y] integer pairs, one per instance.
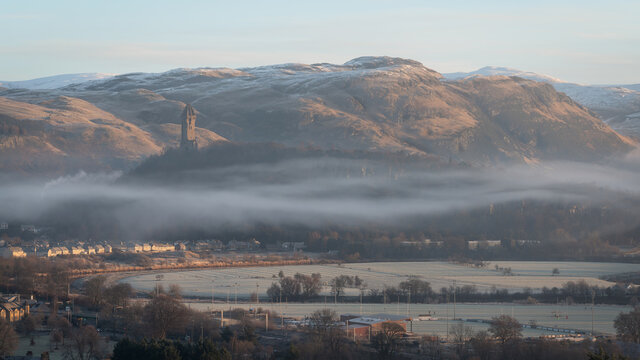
{"points": [[29, 228], [136, 248], [11, 309], [77, 250], [483, 244], [526, 243], [99, 249], [373, 323], [146, 247], [13, 251], [181, 247], [57, 251], [90, 250], [4, 226], [108, 249], [162, 247], [234, 245], [252, 244], [216, 245], [293, 246]]}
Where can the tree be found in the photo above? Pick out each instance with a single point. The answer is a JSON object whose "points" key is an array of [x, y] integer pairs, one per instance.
{"points": [[61, 327], [482, 345], [338, 284], [325, 325], [274, 292], [416, 288], [247, 330], [628, 326], [8, 338], [118, 294], [163, 314], [94, 289], [27, 325], [601, 354], [290, 287], [202, 350], [505, 328], [461, 335], [85, 344], [555, 271], [175, 291], [311, 285], [127, 349], [386, 341]]}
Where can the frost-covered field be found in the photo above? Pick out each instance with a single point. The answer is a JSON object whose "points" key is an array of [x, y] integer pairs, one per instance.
{"points": [[576, 317], [532, 274]]}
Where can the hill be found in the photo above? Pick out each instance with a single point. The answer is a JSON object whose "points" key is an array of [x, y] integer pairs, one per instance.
{"points": [[65, 134], [374, 104], [618, 105]]}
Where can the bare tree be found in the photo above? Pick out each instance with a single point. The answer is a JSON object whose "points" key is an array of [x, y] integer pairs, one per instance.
{"points": [[8, 338], [61, 327], [325, 324], [505, 328], [85, 344], [628, 326], [311, 285], [386, 341], [118, 294], [163, 314], [175, 291], [94, 289], [482, 345], [461, 335]]}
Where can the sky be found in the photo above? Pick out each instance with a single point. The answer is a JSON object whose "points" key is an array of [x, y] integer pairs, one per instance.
{"points": [[589, 42]]}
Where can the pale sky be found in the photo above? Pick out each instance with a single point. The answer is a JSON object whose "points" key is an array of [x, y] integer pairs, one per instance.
{"points": [[593, 42]]}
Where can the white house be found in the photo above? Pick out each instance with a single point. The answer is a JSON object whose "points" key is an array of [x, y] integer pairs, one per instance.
{"points": [[13, 251]]}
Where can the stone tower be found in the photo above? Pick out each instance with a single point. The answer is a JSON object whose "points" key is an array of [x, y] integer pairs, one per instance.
{"points": [[188, 139]]}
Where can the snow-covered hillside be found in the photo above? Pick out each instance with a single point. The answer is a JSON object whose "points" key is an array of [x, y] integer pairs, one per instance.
{"points": [[616, 104], [497, 70], [54, 82]]}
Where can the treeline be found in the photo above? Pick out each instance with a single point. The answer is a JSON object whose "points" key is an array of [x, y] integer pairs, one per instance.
{"points": [[165, 328], [572, 292], [302, 287], [152, 349], [299, 287]]}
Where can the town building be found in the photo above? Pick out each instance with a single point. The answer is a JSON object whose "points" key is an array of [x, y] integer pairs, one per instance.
{"points": [[12, 309], [28, 228], [57, 251], [293, 246], [13, 251], [77, 250], [483, 244], [368, 326], [135, 248], [162, 247]]}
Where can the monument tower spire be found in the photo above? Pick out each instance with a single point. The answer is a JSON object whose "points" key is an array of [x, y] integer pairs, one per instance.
{"points": [[188, 138]]}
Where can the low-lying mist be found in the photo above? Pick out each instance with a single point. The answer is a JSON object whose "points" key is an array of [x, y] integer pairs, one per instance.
{"points": [[310, 192]]}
